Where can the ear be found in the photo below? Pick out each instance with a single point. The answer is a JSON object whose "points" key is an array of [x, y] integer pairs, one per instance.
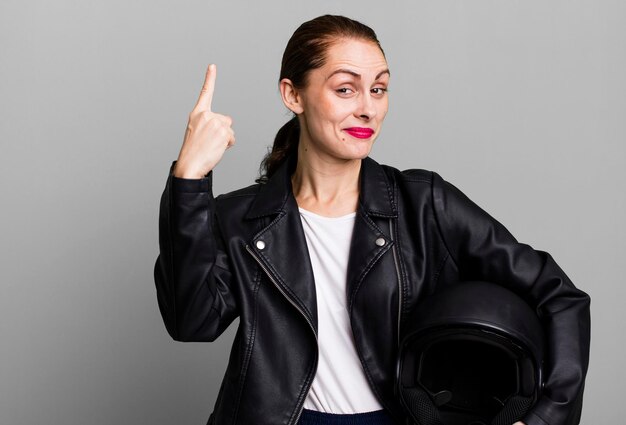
{"points": [[291, 96]]}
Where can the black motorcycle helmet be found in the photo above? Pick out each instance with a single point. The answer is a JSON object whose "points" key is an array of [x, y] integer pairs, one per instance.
{"points": [[471, 354]]}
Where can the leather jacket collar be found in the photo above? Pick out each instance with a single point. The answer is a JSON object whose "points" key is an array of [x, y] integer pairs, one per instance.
{"points": [[376, 195], [283, 252]]}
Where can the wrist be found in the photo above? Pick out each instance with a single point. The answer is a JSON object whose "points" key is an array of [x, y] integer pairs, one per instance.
{"points": [[183, 172]]}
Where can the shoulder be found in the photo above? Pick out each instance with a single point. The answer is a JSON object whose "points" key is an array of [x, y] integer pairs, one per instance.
{"points": [[421, 184], [411, 176], [244, 192], [238, 200]]}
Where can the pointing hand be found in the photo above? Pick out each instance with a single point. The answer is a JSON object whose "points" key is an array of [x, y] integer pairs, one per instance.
{"points": [[207, 137]]}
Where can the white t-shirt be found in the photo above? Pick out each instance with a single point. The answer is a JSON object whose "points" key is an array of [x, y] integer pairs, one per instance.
{"points": [[340, 384]]}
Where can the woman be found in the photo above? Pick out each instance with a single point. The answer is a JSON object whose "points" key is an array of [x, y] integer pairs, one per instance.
{"points": [[323, 259]]}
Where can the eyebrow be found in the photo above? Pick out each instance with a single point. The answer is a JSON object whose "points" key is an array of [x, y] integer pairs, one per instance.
{"points": [[357, 75]]}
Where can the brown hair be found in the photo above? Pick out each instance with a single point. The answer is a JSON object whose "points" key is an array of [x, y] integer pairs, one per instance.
{"points": [[305, 51]]}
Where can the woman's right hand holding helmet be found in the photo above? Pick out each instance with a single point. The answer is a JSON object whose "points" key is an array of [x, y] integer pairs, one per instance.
{"points": [[207, 137]]}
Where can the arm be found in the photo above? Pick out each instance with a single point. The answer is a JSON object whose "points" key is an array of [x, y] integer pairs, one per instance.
{"points": [[483, 249], [191, 272]]}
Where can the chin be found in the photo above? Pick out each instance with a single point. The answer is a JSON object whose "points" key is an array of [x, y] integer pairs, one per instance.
{"points": [[357, 155], [362, 149]]}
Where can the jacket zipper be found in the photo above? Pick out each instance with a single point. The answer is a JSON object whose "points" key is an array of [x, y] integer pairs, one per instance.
{"points": [[395, 261], [271, 278]]}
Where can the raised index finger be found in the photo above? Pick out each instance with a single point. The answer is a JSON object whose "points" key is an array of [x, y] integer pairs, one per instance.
{"points": [[206, 94]]}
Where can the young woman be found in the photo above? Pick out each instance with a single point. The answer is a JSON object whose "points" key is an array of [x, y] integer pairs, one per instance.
{"points": [[324, 257]]}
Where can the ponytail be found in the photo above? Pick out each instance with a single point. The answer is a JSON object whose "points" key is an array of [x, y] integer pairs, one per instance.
{"points": [[285, 142]]}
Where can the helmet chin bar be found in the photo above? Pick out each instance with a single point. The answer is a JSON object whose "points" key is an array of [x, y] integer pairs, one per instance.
{"points": [[471, 376], [471, 355]]}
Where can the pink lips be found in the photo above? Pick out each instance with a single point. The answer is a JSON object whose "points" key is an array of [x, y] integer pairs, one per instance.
{"points": [[359, 132]]}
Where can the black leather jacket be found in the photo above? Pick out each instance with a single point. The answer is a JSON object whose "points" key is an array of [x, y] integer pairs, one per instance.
{"points": [[243, 254]]}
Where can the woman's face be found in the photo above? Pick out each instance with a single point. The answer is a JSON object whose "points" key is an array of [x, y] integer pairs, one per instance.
{"points": [[344, 103]]}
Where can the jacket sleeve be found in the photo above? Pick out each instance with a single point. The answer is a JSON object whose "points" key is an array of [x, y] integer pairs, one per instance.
{"points": [[483, 249], [192, 273]]}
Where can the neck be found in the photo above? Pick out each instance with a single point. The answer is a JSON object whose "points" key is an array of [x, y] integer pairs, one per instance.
{"points": [[327, 187]]}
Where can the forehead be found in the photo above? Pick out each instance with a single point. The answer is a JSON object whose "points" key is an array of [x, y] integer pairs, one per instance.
{"points": [[359, 55]]}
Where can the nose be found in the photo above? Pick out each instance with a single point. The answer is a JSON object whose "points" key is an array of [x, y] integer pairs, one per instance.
{"points": [[366, 109]]}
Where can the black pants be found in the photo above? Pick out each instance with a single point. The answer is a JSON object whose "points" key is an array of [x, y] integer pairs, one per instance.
{"points": [[377, 417]]}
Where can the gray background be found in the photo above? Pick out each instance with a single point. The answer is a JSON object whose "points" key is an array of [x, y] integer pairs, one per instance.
{"points": [[519, 103]]}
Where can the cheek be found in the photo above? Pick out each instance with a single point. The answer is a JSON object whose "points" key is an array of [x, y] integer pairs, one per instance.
{"points": [[384, 108], [383, 114], [328, 113]]}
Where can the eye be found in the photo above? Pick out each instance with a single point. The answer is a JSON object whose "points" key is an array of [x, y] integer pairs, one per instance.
{"points": [[379, 91], [344, 91]]}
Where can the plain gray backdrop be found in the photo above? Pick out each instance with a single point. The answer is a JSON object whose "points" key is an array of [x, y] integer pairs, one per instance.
{"points": [[521, 104]]}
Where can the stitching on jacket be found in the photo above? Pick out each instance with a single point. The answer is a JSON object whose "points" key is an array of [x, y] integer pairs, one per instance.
{"points": [[285, 286], [251, 191], [281, 209], [381, 214], [250, 344], [440, 268], [373, 386], [371, 224], [403, 275], [360, 281], [303, 393], [371, 263], [438, 222], [415, 175], [274, 222], [389, 196], [417, 180], [252, 337], [390, 193], [368, 268], [273, 269], [237, 195]]}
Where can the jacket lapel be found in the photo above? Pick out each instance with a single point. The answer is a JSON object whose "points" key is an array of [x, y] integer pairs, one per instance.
{"points": [[369, 241], [281, 246]]}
